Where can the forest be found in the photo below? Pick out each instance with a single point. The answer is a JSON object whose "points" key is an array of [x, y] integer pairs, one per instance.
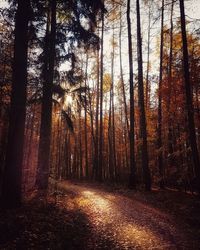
{"points": [[99, 107]]}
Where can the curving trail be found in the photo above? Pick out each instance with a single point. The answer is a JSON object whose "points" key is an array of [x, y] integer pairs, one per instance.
{"points": [[126, 222]]}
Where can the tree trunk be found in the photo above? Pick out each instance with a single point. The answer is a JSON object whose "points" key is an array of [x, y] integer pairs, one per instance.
{"points": [[112, 107], [189, 98], [110, 145], [159, 142], [100, 161], [11, 189], [132, 183], [46, 115], [80, 143], [143, 128], [170, 146], [96, 151], [86, 137], [126, 127], [148, 62]]}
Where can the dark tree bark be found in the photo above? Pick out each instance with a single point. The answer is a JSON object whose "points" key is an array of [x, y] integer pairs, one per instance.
{"points": [[126, 127], [159, 142], [86, 137], [143, 127], [100, 161], [147, 96], [11, 189], [132, 183], [113, 112], [80, 165], [96, 150], [110, 145], [46, 115], [170, 135], [28, 148], [111, 124], [189, 99]]}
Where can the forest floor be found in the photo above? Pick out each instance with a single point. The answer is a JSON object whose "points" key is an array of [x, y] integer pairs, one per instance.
{"points": [[95, 216]]}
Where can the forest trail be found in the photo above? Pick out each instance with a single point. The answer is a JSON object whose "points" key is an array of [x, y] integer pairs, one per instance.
{"points": [[125, 223]]}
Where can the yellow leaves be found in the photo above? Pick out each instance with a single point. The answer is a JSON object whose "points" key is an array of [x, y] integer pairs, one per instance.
{"points": [[106, 82], [114, 10], [63, 16]]}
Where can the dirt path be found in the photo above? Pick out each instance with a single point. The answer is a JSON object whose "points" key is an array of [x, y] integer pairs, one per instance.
{"points": [[124, 222]]}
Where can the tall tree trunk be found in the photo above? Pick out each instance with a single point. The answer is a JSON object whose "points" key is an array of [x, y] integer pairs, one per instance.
{"points": [[11, 188], [132, 183], [110, 145], [86, 137], [113, 107], [170, 147], [189, 98], [147, 96], [80, 143], [91, 118], [121, 73], [100, 161], [159, 142], [46, 115], [28, 151], [96, 151], [126, 127], [143, 128]]}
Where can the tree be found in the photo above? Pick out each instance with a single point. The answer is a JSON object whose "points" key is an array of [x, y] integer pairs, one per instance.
{"points": [[123, 89], [159, 142], [132, 183], [11, 189], [170, 149], [143, 129], [85, 125], [148, 57], [48, 73], [189, 99], [100, 161]]}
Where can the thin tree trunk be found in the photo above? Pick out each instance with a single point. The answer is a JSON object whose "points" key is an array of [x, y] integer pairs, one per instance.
{"points": [[132, 183], [28, 155], [123, 90], [159, 142], [96, 158], [148, 58], [113, 108], [143, 128], [100, 161], [110, 145], [170, 147], [86, 137], [80, 145], [121, 74]]}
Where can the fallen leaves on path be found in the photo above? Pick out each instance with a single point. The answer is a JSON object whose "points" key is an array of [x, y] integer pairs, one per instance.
{"points": [[128, 223], [88, 217]]}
